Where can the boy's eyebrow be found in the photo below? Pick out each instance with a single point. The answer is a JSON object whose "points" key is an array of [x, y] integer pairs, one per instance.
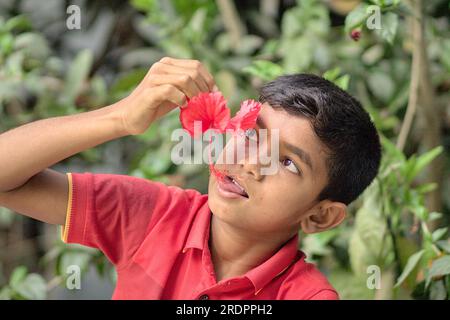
{"points": [[299, 152], [302, 154]]}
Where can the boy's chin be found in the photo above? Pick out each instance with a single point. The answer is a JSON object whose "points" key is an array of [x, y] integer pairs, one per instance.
{"points": [[224, 208]]}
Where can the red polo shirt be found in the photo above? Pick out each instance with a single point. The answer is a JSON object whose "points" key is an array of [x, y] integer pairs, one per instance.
{"points": [[157, 238]]}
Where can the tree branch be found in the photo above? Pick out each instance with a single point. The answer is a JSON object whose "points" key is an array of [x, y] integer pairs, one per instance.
{"points": [[417, 37], [422, 98]]}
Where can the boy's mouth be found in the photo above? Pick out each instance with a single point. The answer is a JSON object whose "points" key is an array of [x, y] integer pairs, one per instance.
{"points": [[231, 188]]}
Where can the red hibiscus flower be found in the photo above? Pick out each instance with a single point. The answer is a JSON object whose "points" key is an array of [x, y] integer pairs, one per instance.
{"points": [[245, 118], [211, 110], [208, 108]]}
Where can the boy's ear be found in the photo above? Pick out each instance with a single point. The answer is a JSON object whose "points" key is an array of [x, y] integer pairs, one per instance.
{"points": [[323, 216]]}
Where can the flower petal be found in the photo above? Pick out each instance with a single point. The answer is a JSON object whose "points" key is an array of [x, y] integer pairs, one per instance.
{"points": [[208, 108], [245, 118], [211, 110]]}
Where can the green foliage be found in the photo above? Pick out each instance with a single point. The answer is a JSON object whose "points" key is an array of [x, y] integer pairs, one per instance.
{"points": [[349, 286], [302, 30], [76, 75], [388, 225], [392, 205], [359, 17], [333, 76], [265, 70], [371, 243], [410, 266], [389, 29], [24, 286]]}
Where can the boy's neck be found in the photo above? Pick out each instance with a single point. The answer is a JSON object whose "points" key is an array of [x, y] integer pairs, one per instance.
{"points": [[234, 251]]}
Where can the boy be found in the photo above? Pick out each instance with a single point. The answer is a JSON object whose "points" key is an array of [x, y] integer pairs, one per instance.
{"points": [[170, 243]]}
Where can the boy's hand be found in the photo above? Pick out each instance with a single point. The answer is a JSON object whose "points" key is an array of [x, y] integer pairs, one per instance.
{"points": [[166, 86]]}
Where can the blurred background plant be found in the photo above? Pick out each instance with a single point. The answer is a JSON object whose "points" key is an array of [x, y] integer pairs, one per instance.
{"points": [[399, 72]]}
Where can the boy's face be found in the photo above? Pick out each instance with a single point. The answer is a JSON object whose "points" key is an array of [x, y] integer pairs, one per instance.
{"points": [[283, 201]]}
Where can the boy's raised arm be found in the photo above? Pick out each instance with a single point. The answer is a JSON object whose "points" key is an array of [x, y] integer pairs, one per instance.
{"points": [[28, 187], [33, 147]]}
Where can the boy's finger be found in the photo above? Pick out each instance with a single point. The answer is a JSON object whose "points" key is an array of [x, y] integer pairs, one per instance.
{"points": [[183, 82], [192, 64], [161, 68], [168, 93]]}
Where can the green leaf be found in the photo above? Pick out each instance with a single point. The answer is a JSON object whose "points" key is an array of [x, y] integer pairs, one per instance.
{"points": [[264, 69], [419, 211], [426, 188], [6, 43], [437, 291], [447, 284], [405, 248], [32, 288], [349, 286], [249, 44], [317, 243], [390, 149], [291, 24], [80, 259], [385, 3], [6, 217], [76, 76], [440, 267], [126, 82], [389, 25], [434, 216], [381, 85], [6, 293], [408, 168], [423, 160], [150, 135], [156, 163], [18, 276], [33, 45], [227, 82], [144, 5], [297, 54], [342, 82], [439, 233], [370, 242], [445, 57], [194, 30], [444, 245], [356, 17], [99, 91], [410, 265], [332, 74], [20, 22]]}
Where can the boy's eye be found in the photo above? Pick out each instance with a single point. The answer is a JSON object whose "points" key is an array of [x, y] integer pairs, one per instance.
{"points": [[289, 164], [250, 134]]}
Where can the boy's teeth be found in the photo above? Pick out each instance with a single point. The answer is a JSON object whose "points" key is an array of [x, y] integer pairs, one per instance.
{"points": [[235, 182], [241, 189]]}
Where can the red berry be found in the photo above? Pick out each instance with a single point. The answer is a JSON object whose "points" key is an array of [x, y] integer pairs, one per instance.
{"points": [[355, 34]]}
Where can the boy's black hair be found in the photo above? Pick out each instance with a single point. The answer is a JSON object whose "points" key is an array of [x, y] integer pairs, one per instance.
{"points": [[342, 125]]}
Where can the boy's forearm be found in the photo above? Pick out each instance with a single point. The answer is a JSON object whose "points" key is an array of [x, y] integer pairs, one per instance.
{"points": [[33, 147]]}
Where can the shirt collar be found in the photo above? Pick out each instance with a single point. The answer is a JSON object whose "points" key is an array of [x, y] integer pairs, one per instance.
{"points": [[275, 265], [262, 274]]}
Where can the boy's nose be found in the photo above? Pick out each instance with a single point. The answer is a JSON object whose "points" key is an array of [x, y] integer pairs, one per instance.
{"points": [[250, 165], [251, 169]]}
